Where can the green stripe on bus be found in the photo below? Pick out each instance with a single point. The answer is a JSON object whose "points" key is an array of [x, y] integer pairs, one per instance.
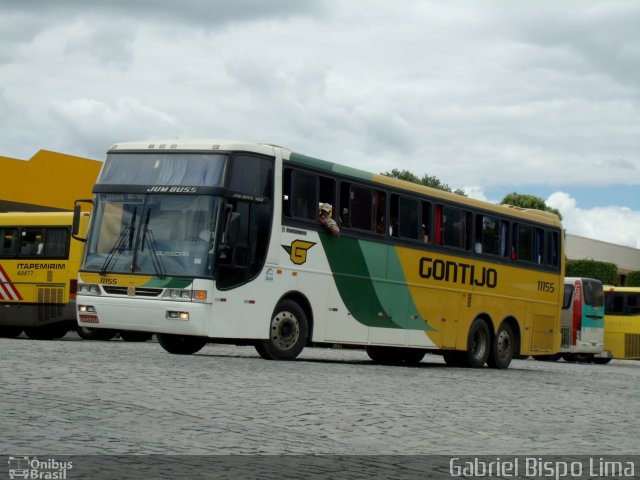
{"points": [[371, 283], [329, 166]]}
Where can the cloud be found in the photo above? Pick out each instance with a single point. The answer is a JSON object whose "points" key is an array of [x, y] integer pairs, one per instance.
{"points": [[491, 94], [613, 224], [91, 122]]}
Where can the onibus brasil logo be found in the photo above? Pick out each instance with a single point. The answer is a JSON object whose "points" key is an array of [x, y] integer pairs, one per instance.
{"points": [[33, 468]]}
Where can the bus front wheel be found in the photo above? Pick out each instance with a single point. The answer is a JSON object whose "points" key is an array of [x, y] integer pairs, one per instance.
{"points": [[287, 333], [502, 347], [181, 344]]}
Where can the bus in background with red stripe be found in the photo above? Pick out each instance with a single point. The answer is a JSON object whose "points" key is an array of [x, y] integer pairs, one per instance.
{"points": [[582, 322], [39, 260]]}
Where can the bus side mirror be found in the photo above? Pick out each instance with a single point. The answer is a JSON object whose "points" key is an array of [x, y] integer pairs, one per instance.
{"points": [[77, 223]]}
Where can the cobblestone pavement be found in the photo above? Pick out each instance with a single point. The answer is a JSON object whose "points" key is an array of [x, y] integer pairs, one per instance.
{"points": [[87, 397]]}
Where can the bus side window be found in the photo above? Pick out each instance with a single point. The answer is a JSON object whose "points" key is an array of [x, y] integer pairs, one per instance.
{"points": [[31, 242], [456, 227], [9, 242], [425, 226], [56, 242], [303, 199], [360, 201], [552, 249]]}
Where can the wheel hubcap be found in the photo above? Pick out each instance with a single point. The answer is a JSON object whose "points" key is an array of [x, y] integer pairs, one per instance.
{"points": [[284, 330]]}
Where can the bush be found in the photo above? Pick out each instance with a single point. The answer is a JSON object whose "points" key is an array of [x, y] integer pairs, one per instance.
{"points": [[606, 272], [633, 279]]}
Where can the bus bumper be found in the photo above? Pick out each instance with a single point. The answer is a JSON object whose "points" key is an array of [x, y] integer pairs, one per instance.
{"points": [[180, 318]]}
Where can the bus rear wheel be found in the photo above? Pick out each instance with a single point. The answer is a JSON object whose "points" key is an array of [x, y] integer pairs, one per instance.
{"points": [[53, 331], [502, 347], [10, 332], [288, 333], [181, 344], [601, 360]]}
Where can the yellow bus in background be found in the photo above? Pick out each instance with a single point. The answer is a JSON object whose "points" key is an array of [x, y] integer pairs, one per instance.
{"points": [[621, 323], [39, 260]]}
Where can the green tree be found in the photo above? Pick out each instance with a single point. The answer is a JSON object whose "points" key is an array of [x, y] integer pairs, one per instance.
{"points": [[633, 279], [606, 272], [426, 180], [528, 201]]}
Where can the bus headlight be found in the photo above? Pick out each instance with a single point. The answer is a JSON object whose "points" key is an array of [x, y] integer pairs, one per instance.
{"points": [[186, 295], [88, 289]]}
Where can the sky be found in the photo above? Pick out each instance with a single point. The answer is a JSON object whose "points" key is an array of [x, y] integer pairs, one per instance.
{"points": [[492, 96]]}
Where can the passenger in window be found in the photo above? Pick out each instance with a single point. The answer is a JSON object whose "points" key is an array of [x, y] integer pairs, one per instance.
{"points": [[328, 223], [393, 227], [425, 237], [380, 225]]}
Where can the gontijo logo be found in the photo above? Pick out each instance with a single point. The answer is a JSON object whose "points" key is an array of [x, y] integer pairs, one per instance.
{"points": [[298, 251]]}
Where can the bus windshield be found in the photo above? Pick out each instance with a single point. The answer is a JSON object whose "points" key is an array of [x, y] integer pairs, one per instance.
{"points": [[154, 234], [193, 169], [593, 293]]}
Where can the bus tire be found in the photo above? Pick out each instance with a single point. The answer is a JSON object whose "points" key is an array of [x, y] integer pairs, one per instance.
{"points": [[601, 361], [181, 344], [46, 332], [478, 344], [288, 333], [88, 333], [453, 358], [133, 336], [584, 357], [502, 347], [548, 358], [10, 332], [412, 356]]}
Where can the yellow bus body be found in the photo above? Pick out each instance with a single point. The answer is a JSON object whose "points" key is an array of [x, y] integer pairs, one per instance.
{"points": [[622, 322], [39, 262]]}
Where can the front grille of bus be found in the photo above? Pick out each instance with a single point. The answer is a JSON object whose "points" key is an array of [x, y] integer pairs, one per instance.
{"points": [[632, 345], [140, 291]]}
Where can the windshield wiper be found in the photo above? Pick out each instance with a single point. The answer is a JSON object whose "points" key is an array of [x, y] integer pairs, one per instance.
{"points": [[117, 247], [150, 241]]}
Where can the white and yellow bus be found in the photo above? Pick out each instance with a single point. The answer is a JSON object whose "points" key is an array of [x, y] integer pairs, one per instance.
{"points": [[218, 241], [39, 263]]}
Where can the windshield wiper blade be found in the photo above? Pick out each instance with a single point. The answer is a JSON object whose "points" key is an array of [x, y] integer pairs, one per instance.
{"points": [[150, 241], [117, 247], [158, 266]]}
